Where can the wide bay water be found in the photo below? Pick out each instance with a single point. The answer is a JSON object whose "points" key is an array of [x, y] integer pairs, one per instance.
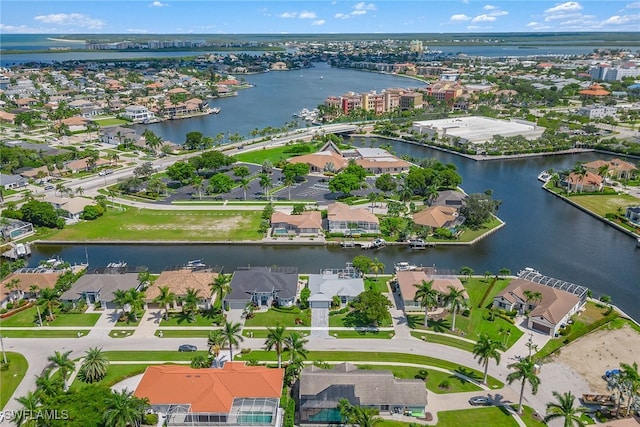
{"points": [[541, 230]]}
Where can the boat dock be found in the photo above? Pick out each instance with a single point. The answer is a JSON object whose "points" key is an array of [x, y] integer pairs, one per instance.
{"points": [[17, 251]]}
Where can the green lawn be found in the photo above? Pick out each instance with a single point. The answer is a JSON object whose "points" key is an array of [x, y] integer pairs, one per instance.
{"points": [[378, 283], [434, 379], [184, 333], [602, 204], [115, 374], [121, 333], [385, 335], [110, 122], [351, 320], [160, 356], [469, 235], [144, 224], [44, 333], [29, 317], [476, 417], [369, 356], [445, 340], [177, 319], [274, 155], [10, 379], [282, 316]]}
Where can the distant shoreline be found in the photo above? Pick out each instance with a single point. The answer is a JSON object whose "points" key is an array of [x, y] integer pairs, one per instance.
{"points": [[66, 40]]}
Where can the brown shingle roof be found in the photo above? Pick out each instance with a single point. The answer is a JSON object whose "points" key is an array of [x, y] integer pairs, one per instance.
{"points": [[435, 216], [342, 212], [41, 280], [312, 219], [408, 279], [179, 281]]}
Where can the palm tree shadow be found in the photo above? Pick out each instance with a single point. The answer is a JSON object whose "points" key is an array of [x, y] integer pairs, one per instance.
{"points": [[440, 325], [469, 373]]}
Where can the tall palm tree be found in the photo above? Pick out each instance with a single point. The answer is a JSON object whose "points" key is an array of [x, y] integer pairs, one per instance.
{"points": [[48, 385], [221, 287], [49, 298], [456, 299], [198, 184], [135, 299], [631, 383], [265, 183], [563, 408], [95, 365], [217, 339], [124, 409], [244, 183], [467, 271], [30, 406], [486, 349], [524, 371], [427, 297], [233, 334], [63, 363], [294, 344], [190, 303], [377, 266], [165, 298], [275, 341]]}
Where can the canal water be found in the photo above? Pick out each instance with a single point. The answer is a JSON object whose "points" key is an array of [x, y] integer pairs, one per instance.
{"points": [[541, 230]]}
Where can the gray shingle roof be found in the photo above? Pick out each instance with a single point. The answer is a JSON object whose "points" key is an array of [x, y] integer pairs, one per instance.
{"points": [[246, 282]]}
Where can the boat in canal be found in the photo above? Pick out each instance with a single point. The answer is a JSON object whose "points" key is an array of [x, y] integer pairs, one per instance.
{"points": [[404, 266]]}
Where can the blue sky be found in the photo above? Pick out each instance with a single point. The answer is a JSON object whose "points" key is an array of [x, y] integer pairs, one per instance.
{"points": [[323, 16]]}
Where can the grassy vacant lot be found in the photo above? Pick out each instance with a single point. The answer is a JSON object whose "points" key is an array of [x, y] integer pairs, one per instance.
{"points": [[274, 155], [282, 316], [476, 323], [434, 379], [602, 204], [134, 224], [29, 317], [350, 320], [110, 122], [470, 235], [10, 378]]}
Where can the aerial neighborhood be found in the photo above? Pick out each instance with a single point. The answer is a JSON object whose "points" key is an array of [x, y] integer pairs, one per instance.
{"points": [[315, 297]]}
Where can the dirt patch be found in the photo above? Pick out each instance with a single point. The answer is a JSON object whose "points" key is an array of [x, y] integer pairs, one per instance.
{"points": [[593, 354], [217, 225]]}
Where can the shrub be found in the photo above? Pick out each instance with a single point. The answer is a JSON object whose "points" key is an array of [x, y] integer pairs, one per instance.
{"points": [[565, 331], [422, 374], [444, 384], [150, 419], [245, 351]]}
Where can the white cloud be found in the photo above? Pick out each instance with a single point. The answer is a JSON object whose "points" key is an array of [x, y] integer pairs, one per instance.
{"points": [[460, 17], [307, 15], [22, 29], [565, 7], [359, 12], [483, 18], [537, 26], [365, 6], [559, 16], [74, 19], [318, 22], [634, 5], [341, 16], [288, 15], [498, 13], [157, 3], [621, 20], [489, 7]]}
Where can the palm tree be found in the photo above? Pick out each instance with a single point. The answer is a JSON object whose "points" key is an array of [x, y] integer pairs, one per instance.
{"points": [[265, 183], [504, 271], [486, 349], [357, 415], [427, 297], [63, 363], [190, 303], [221, 286], [244, 183], [456, 300], [294, 344], [288, 182], [198, 185], [30, 406], [467, 271], [233, 335], [217, 339], [165, 298], [95, 365], [377, 266], [563, 408], [124, 409], [525, 371], [49, 297], [275, 341], [631, 383], [48, 385]]}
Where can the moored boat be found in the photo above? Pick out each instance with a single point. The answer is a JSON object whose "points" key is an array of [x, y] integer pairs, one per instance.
{"points": [[404, 266]]}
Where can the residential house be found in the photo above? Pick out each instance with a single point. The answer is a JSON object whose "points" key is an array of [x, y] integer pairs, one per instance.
{"points": [[450, 198], [12, 182], [547, 313], [589, 182], [138, 114], [234, 395], [407, 281], [179, 281], [13, 229], [341, 218], [307, 223], [74, 124], [7, 117], [118, 135], [100, 288], [615, 168], [633, 214], [438, 217], [319, 392], [279, 66], [262, 286], [346, 284], [82, 165], [43, 279]]}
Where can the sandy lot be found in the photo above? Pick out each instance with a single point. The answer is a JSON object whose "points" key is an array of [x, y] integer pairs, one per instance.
{"points": [[591, 355]]}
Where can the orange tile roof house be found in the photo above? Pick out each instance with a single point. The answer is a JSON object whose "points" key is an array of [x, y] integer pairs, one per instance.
{"points": [[44, 280], [437, 217], [408, 279], [547, 314], [233, 395], [588, 182], [342, 218], [616, 168], [307, 223]]}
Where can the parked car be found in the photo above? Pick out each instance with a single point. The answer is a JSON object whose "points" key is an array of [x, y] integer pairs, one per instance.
{"points": [[49, 187], [187, 347], [480, 401]]}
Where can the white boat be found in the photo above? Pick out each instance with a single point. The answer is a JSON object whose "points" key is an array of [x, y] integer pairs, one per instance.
{"points": [[196, 263], [119, 264], [418, 244], [348, 244], [216, 110], [544, 176], [404, 266], [376, 244], [21, 250]]}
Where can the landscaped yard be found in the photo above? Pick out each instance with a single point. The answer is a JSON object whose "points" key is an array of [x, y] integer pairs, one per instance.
{"points": [[110, 122], [476, 417], [115, 374], [29, 317], [443, 339], [179, 319], [283, 316], [378, 283], [274, 155], [602, 204], [144, 224], [10, 379], [351, 320]]}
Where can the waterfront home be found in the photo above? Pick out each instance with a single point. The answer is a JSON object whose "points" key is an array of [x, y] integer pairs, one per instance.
{"points": [[96, 287], [406, 282], [138, 114], [341, 218], [118, 135], [346, 284], [19, 284], [589, 182], [13, 229], [235, 394], [319, 392], [547, 308], [633, 214], [263, 287], [71, 208], [449, 198], [307, 223], [180, 281], [615, 168], [438, 217]]}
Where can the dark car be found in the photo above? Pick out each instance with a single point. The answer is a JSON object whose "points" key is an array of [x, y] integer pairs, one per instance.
{"points": [[480, 401], [187, 347]]}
